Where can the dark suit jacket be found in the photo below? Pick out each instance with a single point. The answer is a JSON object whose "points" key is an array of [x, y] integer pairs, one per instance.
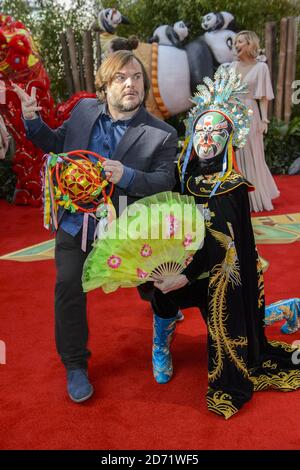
{"points": [[148, 145]]}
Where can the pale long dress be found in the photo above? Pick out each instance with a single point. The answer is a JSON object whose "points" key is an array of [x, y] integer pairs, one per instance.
{"points": [[251, 158]]}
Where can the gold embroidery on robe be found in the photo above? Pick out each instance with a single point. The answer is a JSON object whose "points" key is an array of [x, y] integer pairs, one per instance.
{"points": [[261, 288], [221, 275], [269, 365], [221, 403], [202, 185], [287, 347], [284, 381]]}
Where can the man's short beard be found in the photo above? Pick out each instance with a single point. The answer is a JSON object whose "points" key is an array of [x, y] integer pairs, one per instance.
{"points": [[127, 107]]}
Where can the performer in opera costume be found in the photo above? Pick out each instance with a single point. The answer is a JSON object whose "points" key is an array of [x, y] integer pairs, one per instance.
{"points": [[224, 279]]}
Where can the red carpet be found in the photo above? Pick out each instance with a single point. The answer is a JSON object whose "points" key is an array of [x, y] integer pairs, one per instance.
{"points": [[129, 410]]}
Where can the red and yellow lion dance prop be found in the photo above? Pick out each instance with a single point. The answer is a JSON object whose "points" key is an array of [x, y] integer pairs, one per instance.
{"points": [[21, 63]]}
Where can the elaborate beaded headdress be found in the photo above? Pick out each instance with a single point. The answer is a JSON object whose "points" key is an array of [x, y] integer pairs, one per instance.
{"points": [[220, 95]]}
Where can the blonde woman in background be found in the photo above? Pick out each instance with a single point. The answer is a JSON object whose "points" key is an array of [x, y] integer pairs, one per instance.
{"points": [[251, 158]]}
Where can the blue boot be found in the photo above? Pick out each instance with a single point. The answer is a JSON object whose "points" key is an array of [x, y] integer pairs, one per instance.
{"points": [[79, 387], [163, 332]]}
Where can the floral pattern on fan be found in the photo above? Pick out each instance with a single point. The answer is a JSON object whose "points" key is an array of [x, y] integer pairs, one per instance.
{"points": [[146, 250], [141, 273], [114, 262], [188, 240], [172, 225]]}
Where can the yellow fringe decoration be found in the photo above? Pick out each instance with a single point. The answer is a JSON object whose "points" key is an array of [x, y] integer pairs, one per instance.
{"points": [[229, 159]]}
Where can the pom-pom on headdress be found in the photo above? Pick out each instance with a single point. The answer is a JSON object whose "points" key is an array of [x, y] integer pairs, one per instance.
{"points": [[221, 95]]}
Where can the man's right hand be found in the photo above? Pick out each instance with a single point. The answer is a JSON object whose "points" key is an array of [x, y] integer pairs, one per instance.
{"points": [[28, 102]]}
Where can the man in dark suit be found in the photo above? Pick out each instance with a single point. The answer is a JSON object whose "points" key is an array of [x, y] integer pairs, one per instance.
{"points": [[140, 151]]}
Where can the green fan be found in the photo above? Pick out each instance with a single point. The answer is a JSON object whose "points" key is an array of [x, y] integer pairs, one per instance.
{"points": [[154, 237]]}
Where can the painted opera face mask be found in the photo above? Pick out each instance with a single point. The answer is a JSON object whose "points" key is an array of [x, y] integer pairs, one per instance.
{"points": [[211, 133]]}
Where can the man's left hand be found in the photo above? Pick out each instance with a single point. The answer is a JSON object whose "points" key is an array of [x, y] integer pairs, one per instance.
{"points": [[113, 170], [172, 283]]}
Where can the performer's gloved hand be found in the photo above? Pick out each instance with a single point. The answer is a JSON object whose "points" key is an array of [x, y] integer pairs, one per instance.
{"points": [[171, 283], [113, 170], [29, 104]]}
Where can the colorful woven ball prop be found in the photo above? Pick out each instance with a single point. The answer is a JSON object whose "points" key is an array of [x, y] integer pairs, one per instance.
{"points": [[74, 182], [80, 180]]}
